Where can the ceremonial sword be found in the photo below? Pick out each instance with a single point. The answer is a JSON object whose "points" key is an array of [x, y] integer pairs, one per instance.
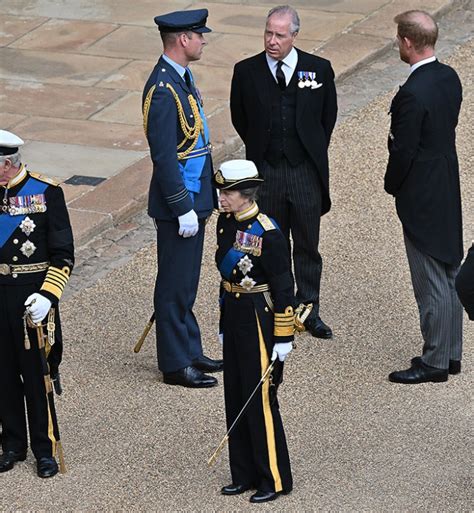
{"points": [[216, 453], [142, 338]]}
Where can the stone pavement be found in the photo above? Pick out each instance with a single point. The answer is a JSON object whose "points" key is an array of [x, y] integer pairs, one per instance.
{"points": [[357, 442], [71, 75]]}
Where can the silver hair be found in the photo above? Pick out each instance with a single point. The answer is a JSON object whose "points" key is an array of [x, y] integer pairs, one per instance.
{"points": [[14, 158], [287, 9], [250, 193]]}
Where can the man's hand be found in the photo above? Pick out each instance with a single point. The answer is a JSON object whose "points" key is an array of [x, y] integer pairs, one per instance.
{"points": [[39, 307], [281, 350], [188, 224]]}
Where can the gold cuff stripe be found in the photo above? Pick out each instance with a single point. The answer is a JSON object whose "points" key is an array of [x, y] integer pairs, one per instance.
{"points": [[279, 331], [55, 283], [48, 287], [146, 109], [60, 278], [267, 412]]}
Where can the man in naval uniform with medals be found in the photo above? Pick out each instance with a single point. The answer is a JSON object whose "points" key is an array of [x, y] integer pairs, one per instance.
{"points": [[181, 196], [36, 259]]}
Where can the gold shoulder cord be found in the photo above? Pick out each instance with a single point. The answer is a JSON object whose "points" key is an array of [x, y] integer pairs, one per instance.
{"points": [[191, 133], [146, 109]]}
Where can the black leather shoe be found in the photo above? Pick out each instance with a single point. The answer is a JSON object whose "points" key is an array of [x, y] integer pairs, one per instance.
{"points": [[205, 364], [454, 365], [189, 377], [56, 380], [235, 489], [318, 328], [260, 496], [9, 458], [47, 467], [419, 373]]}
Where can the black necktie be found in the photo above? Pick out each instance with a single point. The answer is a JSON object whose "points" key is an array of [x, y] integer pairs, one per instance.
{"points": [[187, 79], [280, 76]]}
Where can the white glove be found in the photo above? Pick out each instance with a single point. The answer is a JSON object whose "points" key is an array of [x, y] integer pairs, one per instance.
{"points": [[188, 224], [39, 307], [282, 350], [221, 338]]}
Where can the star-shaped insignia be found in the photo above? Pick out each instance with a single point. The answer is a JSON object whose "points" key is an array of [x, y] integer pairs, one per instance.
{"points": [[27, 226], [28, 248], [245, 264], [247, 283]]}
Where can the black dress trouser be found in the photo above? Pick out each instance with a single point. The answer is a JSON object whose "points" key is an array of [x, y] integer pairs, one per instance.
{"points": [[292, 196], [22, 376], [257, 446]]}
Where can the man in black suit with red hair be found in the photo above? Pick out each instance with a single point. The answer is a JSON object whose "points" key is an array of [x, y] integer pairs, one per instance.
{"points": [[283, 106]]}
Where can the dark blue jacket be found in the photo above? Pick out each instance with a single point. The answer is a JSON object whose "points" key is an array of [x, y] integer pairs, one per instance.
{"points": [[168, 197]]}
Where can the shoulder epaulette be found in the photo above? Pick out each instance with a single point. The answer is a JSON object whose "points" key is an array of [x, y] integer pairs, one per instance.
{"points": [[266, 222], [43, 178]]}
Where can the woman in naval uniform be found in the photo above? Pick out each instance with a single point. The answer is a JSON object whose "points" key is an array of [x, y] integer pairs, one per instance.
{"points": [[257, 326]]}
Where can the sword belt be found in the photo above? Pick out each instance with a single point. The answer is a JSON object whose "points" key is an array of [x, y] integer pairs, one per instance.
{"points": [[233, 287], [7, 269]]}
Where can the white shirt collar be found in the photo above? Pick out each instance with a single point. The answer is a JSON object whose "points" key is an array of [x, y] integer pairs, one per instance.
{"points": [[179, 69], [421, 63], [290, 62]]}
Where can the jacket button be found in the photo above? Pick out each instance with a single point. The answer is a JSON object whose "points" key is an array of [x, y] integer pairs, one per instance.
{"points": [[234, 272], [14, 275], [221, 230], [15, 258], [266, 309], [15, 241], [237, 295]]}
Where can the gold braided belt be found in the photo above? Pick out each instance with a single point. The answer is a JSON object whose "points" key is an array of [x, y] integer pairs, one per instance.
{"points": [[233, 287], [7, 269]]}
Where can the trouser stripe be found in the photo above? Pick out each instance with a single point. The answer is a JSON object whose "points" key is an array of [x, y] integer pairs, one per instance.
{"points": [[267, 413]]}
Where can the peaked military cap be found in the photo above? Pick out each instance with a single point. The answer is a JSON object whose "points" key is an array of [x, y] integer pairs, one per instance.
{"points": [[9, 143], [179, 21], [236, 175]]}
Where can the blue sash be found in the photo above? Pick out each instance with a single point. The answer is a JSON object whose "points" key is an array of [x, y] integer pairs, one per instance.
{"points": [[233, 255], [192, 168], [8, 223]]}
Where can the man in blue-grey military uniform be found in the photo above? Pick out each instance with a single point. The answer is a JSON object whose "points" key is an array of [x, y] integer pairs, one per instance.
{"points": [[181, 196], [36, 259]]}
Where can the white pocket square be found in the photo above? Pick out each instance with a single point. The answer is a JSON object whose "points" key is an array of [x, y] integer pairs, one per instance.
{"points": [[316, 85]]}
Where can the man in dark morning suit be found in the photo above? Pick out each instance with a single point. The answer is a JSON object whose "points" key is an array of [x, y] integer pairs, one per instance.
{"points": [[423, 176], [181, 196], [284, 107]]}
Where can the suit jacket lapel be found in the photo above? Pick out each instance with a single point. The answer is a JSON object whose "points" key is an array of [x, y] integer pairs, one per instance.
{"points": [[302, 95], [262, 76]]}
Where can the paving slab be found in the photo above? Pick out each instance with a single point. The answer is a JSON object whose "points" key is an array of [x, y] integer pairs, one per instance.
{"points": [[141, 43], [64, 35], [127, 109], [55, 67], [76, 159], [13, 27], [115, 11], [87, 133], [130, 77], [53, 100]]}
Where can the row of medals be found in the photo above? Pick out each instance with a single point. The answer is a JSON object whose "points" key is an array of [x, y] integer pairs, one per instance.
{"points": [[307, 79]]}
